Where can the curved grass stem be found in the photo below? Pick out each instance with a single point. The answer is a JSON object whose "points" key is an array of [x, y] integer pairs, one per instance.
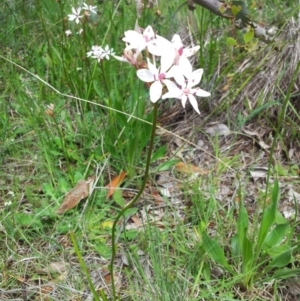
{"points": [[131, 203]]}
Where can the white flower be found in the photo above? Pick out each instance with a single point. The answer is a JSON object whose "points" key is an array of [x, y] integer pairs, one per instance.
{"points": [[160, 46], [11, 193], [76, 15], [107, 52], [68, 32], [155, 44], [89, 8], [95, 49], [96, 53], [158, 76], [138, 41], [186, 90], [182, 55], [80, 31], [7, 204], [183, 52], [99, 53]]}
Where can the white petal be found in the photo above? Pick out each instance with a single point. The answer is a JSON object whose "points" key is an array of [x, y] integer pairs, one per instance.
{"points": [[187, 52], [176, 40], [155, 91], [195, 78], [133, 38], [159, 46], [145, 75], [152, 68], [148, 33], [131, 35], [202, 93], [68, 32], [97, 48], [176, 73], [170, 95], [183, 100], [167, 60], [194, 103], [120, 58], [129, 47], [171, 85], [164, 41], [185, 66], [173, 90], [140, 48]]}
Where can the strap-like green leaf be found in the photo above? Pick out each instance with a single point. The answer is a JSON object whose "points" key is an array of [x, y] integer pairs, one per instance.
{"points": [[275, 236], [247, 253], [281, 260], [268, 218], [215, 252]]}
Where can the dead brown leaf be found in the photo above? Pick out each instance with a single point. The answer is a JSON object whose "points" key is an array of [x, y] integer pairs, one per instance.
{"points": [[189, 168], [45, 291], [115, 183], [82, 190], [136, 221]]}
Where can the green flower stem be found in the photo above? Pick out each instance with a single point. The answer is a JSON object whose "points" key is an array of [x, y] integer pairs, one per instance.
{"points": [[131, 203]]}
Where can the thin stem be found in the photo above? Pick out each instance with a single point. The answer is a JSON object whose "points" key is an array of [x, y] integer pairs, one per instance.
{"points": [[279, 127], [83, 267], [131, 203]]}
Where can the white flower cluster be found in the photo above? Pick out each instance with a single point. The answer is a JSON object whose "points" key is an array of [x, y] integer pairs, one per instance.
{"points": [[174, 72], [100, 53], [76, 12], [79, 13]]}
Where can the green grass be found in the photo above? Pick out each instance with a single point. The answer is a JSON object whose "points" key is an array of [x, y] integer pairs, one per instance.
{"points": [[220, 236]]}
